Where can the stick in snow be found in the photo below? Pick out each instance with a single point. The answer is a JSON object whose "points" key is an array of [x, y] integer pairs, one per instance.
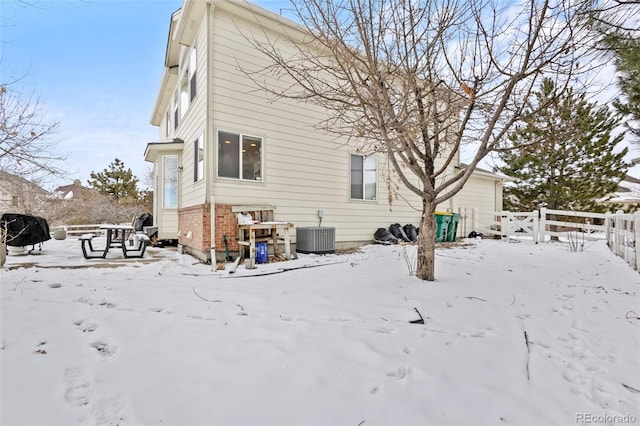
{"points": [[418, 321], [281, 270], [234, 266], [630, 389], [207, 300], [526, 341], [627, 316], [477, 298]]}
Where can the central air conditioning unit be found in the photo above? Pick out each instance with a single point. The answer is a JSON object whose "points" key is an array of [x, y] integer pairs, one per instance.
{"points": [[316, 239]]}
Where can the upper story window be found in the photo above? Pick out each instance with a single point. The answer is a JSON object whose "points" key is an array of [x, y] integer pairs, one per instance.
{"points": [[186, 90], [192, 74], [198, 159], [176, 111], [167, 123], [184, 94], [364, 177], [239, 156]]}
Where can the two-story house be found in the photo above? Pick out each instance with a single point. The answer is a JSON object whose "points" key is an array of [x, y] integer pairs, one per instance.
{"points": [[222, 143]]}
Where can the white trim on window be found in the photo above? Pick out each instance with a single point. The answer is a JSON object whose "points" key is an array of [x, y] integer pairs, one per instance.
{"points": [[170, 181], [198, 159], [240, 156], [363, 177]]}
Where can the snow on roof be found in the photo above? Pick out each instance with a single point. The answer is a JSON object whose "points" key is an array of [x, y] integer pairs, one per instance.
{"points": [[628, 191]]}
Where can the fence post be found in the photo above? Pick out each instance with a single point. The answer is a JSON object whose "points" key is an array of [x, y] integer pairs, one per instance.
{"points": [[536, 225], [636, 233], [462, 224], [620, 234], [474, 220], [505, 230], [543, 223], [608, 223]]}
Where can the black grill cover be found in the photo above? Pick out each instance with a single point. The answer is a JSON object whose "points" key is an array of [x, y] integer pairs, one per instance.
{"points": [[24, 229], [145, 219]]}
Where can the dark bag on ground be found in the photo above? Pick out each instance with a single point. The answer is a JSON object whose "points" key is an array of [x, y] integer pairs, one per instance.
{"points": [[385, 236], [411, 232], [397, 232]]}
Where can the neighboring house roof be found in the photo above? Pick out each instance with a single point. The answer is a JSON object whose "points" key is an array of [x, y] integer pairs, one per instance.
{"points": [[479, 171], [628, 191], [74, 191]]}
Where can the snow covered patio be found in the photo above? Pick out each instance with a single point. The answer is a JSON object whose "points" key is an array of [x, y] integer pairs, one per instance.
{"points": [[165, 341]]}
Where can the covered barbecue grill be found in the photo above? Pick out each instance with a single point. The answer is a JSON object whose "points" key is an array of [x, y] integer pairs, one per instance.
{"points": [[23, 229]]}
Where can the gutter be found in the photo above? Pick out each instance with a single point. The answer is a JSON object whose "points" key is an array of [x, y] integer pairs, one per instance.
{"points": [[210, 139]]}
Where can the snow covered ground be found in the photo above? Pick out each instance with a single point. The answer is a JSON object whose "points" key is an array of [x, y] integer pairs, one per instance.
{"points": [[513, 333]]}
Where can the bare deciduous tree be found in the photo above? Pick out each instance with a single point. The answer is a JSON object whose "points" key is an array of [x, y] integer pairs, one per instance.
{"points": [[420, 80], [26, 145]]}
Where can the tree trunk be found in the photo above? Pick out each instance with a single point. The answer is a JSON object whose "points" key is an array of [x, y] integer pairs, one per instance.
{"points": [[427, 243]]}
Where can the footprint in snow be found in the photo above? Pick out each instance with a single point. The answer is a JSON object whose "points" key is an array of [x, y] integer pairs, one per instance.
{"points": [[403, 373], [375, 389], [86, 325], [114, 410], [103, 348], [77, 386]]}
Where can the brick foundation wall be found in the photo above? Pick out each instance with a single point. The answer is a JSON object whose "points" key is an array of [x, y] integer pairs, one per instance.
{"points": [[226, 224], [197, 220]]}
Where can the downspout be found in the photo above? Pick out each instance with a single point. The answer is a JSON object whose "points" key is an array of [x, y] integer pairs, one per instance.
{"points": [[210, 139]]}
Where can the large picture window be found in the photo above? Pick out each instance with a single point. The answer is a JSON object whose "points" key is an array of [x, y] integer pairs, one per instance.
{"points": [[364, 177], [239, 156], [170, 182]]}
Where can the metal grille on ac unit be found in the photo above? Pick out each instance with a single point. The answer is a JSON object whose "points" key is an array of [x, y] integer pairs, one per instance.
{"points": [[316, 239]]}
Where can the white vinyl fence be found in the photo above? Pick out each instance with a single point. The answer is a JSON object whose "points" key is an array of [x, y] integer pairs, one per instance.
{"points": [[623, 237], [77, 230], [621, 231]]}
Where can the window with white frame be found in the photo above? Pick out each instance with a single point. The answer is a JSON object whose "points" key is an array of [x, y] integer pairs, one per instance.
{"points": [[167, 123], [170, 182], [192, 74], [184, 94], [364, 177], [239, 156], [176, 111], [198, 159], [187, 86]]}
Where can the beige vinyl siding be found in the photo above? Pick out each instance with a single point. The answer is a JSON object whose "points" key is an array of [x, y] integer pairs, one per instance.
{"points": [[479, 192], [305, 171], [482, 193], [193, 125], [168, 225]]}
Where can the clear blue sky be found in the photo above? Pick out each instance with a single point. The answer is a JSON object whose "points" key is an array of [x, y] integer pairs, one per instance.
{"points": [[96, 66]]}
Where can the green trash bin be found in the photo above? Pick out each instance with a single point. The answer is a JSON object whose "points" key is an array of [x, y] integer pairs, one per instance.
{"points": [[452, 230], [442, 226]]}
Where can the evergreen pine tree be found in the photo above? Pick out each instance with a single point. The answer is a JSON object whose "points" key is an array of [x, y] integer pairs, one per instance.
{"points": [[567, 158], [627, 54], [116, 182]]}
